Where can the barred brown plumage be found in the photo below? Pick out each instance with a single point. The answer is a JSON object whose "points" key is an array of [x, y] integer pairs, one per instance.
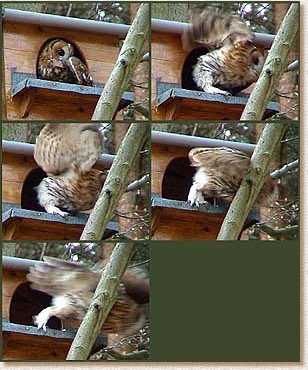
{"points": [[67, 152], [72, 286], [232, 62], [58, 61], [219, 175]]}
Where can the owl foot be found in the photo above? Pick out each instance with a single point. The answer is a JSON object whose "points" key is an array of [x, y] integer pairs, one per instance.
{"points": [[195, 196], [41, 320], [56, 211], [215, 90]]}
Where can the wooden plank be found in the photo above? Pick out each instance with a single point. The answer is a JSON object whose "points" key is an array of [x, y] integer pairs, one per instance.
{"points": [[166, 72], [21, 346], [187, 225], [10, 230], [167, 46], [10, 280], [73, 109], [32, 37], [41, 230], [11, 191], [15, 168]]}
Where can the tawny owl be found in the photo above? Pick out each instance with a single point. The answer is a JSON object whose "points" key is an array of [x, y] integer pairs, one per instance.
{"points": [[58, 61], [67, 153], [219, 174], [232, 62], [72, 285]]}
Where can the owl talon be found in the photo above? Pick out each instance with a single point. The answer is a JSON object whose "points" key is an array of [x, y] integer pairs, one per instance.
{"points": [[40, 321], [56, 211], [195, 197]]}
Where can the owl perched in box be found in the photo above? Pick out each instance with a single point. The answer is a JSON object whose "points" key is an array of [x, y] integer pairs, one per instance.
{"points": [[72, 286], [59, 61], [228, 61], [219, 175], [67, 153]]}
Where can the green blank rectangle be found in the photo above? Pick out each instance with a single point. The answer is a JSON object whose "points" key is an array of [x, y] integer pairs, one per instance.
{"points": [[225, 301]]}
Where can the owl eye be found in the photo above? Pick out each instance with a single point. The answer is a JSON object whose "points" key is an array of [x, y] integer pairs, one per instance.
{"points": [[60, 52]]}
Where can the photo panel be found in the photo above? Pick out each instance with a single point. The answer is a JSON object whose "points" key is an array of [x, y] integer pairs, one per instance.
{"points": [[197, 169], [53, 175], [208, 56], [58, 57], [48, 287], [150, 181]]}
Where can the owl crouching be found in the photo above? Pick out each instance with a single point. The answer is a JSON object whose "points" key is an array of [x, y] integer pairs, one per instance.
{"points": [[72, 286], [59, 61], [232, 62], [70, 192], [67, 153], [219, 174]]}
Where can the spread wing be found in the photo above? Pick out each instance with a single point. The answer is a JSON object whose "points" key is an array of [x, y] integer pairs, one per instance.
{"points": [[212, 27], [56, 277], [214, 158], [72, 285], [60, 147]]}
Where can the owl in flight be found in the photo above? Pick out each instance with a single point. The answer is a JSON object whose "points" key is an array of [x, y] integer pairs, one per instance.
{"points": [[219, 174], [67, 153], [229, 61], [57, 61], [71, 286]]}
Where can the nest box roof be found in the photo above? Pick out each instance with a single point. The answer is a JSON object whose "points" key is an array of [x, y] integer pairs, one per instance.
{"points": [[16, 147], [166, 138], [77, 24], [161, 25]]}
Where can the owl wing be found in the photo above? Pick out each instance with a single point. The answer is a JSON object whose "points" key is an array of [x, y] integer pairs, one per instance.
{"points": [[80, 70], [218, 158], [213, 28], [56, 277], [60, 147]]}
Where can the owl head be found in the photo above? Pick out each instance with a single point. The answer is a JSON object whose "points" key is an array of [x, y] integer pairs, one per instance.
{"points": [[61, 60], [60, 49]]}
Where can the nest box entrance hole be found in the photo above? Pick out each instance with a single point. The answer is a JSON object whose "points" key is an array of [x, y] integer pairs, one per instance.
{"points": [[77, 51], [177, 179], [26, 303], [28, 193]]}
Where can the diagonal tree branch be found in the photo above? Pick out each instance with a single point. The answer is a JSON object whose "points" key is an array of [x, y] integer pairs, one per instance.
{"points": [[103, 300], [274, 66], [116, 181], [129, 57], [273, 132], [253, 181]]}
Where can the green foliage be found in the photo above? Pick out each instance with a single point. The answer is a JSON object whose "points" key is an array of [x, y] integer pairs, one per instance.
{"points": [[107, 11]]}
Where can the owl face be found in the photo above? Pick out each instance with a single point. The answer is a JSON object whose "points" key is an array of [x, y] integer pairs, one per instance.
{"points": [[59, 49], [59, 61]]}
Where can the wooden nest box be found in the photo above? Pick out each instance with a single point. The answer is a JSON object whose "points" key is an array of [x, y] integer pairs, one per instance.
{"points": [[22, 217], [26, 97], [173, 95], [21, 339], [172, 217]]}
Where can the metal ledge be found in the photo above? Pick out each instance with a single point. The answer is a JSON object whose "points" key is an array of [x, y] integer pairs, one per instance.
{"points": [[11, 211], [68, 333], [158, 202], [172, 94], [23, 83]]}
